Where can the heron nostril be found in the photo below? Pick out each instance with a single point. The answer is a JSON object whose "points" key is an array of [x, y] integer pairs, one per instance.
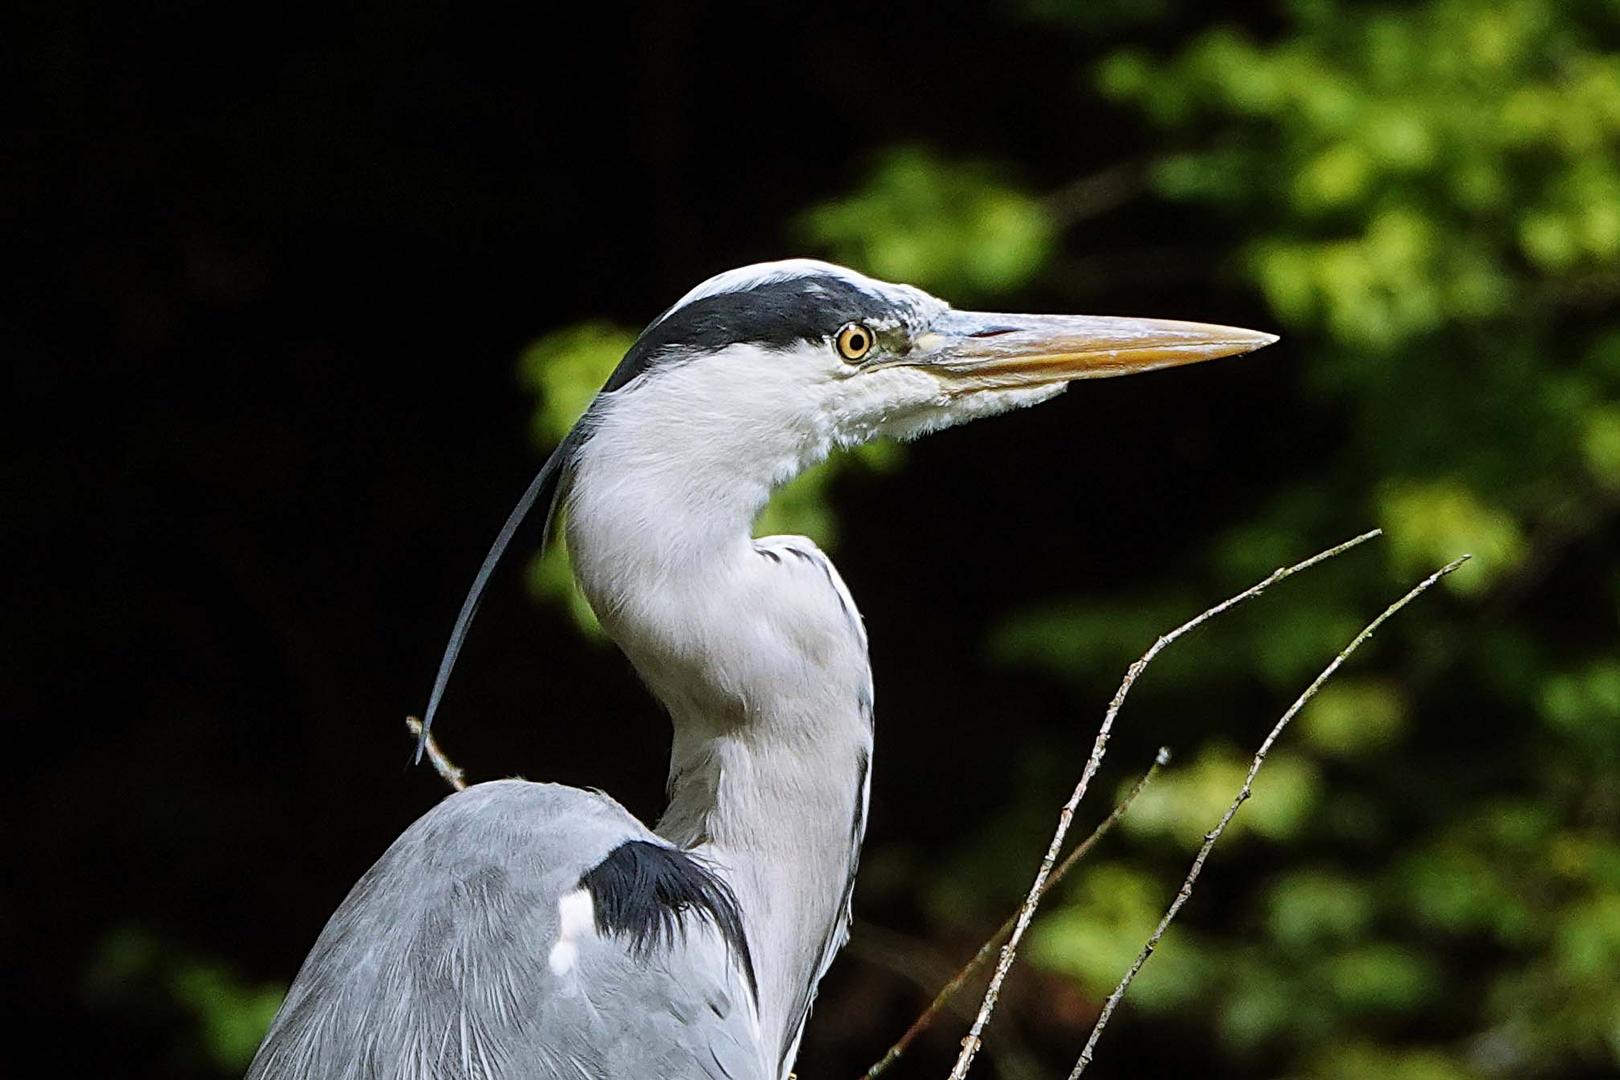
{"points": [[994, 331]]}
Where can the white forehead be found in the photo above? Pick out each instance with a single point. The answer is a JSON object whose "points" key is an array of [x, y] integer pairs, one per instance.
{"points": [[744, 278]]}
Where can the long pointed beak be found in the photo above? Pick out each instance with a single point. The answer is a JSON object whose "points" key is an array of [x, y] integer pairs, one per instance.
{"points": [[988, 351]]}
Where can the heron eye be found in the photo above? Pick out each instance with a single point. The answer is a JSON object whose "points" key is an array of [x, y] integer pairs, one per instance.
{"points": [[854, 341]]}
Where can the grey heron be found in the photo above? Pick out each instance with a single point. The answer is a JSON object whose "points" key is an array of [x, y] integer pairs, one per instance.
{"points": [[530, 930]]}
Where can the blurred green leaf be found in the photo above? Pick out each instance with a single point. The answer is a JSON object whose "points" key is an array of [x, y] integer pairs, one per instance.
{"points": [[1587, 945], [234, 1016], [1311, 907], [951, 227], [1353, 716], [565, 369], [1431, 524], [1601, 444], [144, 977], [1095, 935], [1585, 706], [1381, 978], [1359, 1061], [1186, 803]]}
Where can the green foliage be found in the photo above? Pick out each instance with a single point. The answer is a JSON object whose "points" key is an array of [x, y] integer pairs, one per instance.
{"points": [[1356, 1061], [220, 1016], [564, 369], [232, 1016], [1427, 197], [1310, 909], [1429, 187], [1584, 706], [1187, 801], [1096, 934], [1427, 522], [1352, 716], [1601, 444], [950, 227]]}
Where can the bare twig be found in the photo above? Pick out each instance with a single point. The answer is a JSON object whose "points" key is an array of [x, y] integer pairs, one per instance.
{"points": [[974, 1038], [1242, 797], [987, 950], [1094, 195], [921, 964], [448, 771]]}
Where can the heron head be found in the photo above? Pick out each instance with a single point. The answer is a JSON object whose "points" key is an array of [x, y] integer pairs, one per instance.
{"points": [[780, 362], [760, 372]]}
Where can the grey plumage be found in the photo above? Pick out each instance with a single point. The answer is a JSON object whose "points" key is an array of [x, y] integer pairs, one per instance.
{"points": [[436, 965]]}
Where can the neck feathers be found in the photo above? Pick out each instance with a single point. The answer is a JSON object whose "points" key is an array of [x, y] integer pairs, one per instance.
{"points": [[755, 649]]}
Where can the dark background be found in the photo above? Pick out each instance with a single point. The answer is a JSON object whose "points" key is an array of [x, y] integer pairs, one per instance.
{"points": [[272, 270]]}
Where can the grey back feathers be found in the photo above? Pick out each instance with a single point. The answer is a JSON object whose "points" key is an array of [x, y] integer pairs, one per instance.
{"points": [[456, 956]]}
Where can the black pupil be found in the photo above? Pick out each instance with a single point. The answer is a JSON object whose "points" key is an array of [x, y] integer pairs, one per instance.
{"points": [[857, 341]]}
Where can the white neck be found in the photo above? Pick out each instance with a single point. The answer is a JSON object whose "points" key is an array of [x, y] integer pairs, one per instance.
{"points": [[756, 651]]}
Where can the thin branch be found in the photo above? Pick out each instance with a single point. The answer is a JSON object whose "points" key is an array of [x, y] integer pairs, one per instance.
{"points": [[974, 1038], [448, 771], [921, 965], [1242, 797], [987, 950], [1094, 195]]}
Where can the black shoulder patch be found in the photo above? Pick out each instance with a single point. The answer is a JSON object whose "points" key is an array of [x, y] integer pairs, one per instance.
{"points": [[643, 890]]}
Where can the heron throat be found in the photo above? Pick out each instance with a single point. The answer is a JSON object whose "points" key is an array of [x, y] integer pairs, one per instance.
{"points": [[755, 649]]}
